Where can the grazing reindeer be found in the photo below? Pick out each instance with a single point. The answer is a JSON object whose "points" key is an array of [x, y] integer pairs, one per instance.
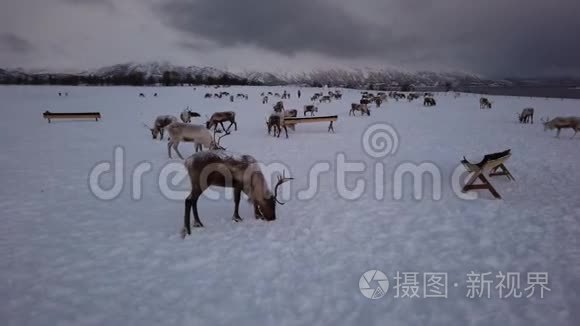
{"points": [[220, 118], [310, 108], [187, 114], [378, 101], [275, 122], [185, 132], [562, 123], [141, 95], [363, 108], [224, 169], [208, 95], [412, 97], [484, 103], [429, 101], [159, 125], [526, 115]]}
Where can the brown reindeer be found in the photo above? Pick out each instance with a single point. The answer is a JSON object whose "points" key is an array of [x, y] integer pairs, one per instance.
{"points": [[363, 108], [220, 118], [275, 123], [310, 108], [224, 169], [526, 115], [562, 123], [484, 103], [279, 106]]}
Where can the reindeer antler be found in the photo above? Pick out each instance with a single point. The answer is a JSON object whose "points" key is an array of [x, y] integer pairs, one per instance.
{"points": [[146, 126], [216, 142], [281, 180]]}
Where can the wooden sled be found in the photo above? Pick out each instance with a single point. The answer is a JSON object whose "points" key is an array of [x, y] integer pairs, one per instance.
{"points": [[494, 165], [71, 116], [293, 121]]}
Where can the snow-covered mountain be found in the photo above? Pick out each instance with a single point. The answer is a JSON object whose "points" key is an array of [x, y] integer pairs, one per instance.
{"points": [[156, 69], [337, 77]]}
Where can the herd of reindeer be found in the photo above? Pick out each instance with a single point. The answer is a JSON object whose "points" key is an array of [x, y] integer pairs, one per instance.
{"points": [[217, 166]]}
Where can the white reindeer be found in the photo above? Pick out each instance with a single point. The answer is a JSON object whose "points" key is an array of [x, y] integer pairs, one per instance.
{"points": [[185, 132], [160, 123]]}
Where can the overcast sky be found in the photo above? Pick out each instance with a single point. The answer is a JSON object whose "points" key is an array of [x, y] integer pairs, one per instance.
{"points": [[496, 38]]}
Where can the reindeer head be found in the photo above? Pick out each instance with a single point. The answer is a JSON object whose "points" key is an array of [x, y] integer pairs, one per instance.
{"points": [[154, 132], [547, 124], [267, 206]]}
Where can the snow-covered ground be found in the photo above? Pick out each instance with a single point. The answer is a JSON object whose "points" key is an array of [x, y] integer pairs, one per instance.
{"points": [[70, 258]]}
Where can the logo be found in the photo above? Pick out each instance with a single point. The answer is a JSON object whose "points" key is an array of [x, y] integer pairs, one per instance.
{"points": [[373, 284]]}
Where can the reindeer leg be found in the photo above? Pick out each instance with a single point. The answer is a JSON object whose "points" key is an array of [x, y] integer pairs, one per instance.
{"points": [[169, 143], [177, 150], [237, 196], [224, 128], [161, 134], [257, 212], [286, 129], [558, 133], [235, 125], [187, 217], [195, 196]]}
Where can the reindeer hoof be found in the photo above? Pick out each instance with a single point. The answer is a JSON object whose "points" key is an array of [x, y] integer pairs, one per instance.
{"points": [[237, 219], [183, 233], [197, 225]]}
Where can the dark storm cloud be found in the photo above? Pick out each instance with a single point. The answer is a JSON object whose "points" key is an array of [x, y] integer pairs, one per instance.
{"points": [[105, 3], [15, 44], [494, 37], [285, 27]]}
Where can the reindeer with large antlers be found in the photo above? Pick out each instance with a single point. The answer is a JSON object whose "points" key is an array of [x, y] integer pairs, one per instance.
{"points": [[224, 169]]}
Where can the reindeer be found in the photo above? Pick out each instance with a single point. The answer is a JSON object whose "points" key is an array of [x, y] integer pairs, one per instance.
{"points": [[185, 132], [279, 106], [378, 101], [208, 95], [310, 108], [412, 97], [187, 114], [275, 122], [562, 123], [429, 101], [220, 118], [363, 108], [221, 168], [265, 100], [141, 95], [484, 103], [526, 115], [159, 125]]}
